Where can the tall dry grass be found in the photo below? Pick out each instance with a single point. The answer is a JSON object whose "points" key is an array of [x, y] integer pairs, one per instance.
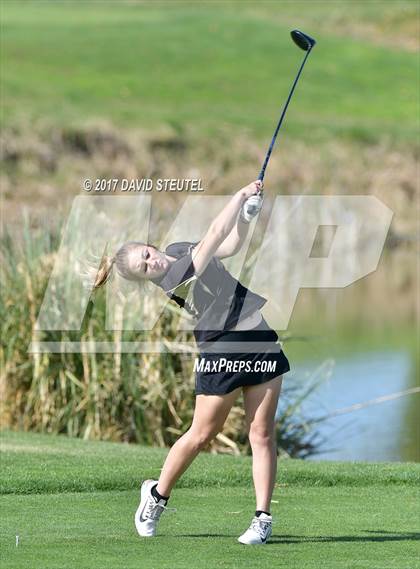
{"points": [[43, 166], [136, 397]]}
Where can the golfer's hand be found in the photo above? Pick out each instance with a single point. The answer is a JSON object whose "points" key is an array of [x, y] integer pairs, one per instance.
{"points": [[252, 189], [251, 207]]}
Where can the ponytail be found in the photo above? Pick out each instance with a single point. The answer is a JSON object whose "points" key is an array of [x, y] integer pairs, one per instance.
{"points": [[90, 273], [104, 271]]}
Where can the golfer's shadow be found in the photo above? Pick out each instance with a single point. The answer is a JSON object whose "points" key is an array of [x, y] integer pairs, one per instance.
{"points": [[378, 536], [209, 535]]}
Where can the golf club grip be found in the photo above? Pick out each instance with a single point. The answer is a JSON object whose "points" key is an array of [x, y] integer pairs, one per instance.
{"points": [[273, 140]]}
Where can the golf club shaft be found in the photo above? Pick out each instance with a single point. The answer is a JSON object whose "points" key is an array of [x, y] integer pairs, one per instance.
{"points": [[273, 140]]}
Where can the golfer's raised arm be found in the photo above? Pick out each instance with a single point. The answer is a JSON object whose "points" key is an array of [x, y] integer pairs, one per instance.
{"points": [[220, 228]]}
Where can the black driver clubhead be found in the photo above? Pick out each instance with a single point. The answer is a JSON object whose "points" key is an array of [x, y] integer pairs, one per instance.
{"points": [[304, 41]]}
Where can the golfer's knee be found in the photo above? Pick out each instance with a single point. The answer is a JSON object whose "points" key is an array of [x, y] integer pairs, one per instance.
{"points": [[261, 435], [200, 438]]}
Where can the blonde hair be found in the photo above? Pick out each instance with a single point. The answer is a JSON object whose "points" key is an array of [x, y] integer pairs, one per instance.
{"points": [[120, 260], [104, 271]]}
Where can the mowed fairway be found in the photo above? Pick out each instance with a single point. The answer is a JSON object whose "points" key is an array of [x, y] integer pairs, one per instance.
{"points": [[72, 503], [211, 66]]}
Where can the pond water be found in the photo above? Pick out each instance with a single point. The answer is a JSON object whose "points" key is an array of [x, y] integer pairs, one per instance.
{"points": [[386, 431], [360, 343]]}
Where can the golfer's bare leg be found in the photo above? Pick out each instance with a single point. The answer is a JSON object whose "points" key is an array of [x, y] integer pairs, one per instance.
{"points": [[260, 403], [210, 415]]}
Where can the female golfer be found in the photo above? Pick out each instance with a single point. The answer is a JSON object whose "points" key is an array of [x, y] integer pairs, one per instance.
{"points": [[227, 317]]}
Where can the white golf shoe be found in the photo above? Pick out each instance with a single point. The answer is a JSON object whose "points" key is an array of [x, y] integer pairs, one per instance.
{"points": [[258, 532], [149, 510]]}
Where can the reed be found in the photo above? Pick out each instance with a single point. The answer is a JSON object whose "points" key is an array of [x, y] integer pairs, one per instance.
{"points": [[133, 397]]}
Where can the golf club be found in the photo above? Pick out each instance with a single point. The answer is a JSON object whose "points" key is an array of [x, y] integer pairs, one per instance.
{"points": [[306, 43]]}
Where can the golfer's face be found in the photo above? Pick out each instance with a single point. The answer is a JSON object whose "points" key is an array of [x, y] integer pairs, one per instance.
{"points": [[147, 262]]}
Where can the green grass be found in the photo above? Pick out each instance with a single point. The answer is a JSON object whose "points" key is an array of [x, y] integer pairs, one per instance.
{"points": [[328, 515], [316, 528], [43, 464], [208, 66]]}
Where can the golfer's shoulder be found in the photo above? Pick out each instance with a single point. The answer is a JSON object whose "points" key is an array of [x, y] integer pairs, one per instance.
{"points": [[179, 249]]}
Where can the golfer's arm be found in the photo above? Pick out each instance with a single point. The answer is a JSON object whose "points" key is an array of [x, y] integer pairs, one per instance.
{"points": [[217, 232], [234, 241]]}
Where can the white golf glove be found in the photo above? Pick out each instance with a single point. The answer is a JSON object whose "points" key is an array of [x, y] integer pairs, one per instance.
{"points": [[251, 207]]}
